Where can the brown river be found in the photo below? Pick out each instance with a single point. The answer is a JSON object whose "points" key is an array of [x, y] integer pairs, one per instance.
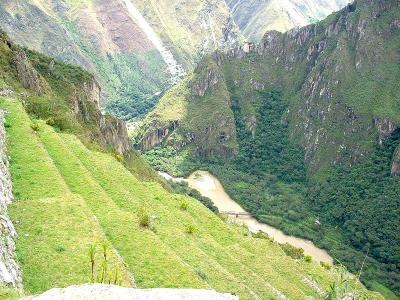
{"points": [[209, 186]]}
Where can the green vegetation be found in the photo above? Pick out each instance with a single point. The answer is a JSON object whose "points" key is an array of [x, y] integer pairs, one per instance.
{"points": [[104, 273], [71, 197], [9, 293], [293, 252], [301, 151], [191, 229], [275, 193], [41, 194], [270, 150], [183, 188], [368, 195]]}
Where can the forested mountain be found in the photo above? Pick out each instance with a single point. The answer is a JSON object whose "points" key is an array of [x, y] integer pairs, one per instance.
{"points": [[136, 49], [303, 130], [78, 205], [134, 55]]}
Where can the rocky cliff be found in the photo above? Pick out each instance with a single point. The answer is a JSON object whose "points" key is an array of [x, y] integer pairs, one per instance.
{"points": [[27, 75], [10, 273], [86, 107], [396, 163], [67, 96]]}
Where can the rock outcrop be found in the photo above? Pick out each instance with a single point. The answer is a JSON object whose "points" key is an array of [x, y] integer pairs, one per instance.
{"points": [[208, 78], [115, 133], [110, 292], [151, 140], [86, 107], [385, 128], [396, 163], [27, 75], [10, 273]]}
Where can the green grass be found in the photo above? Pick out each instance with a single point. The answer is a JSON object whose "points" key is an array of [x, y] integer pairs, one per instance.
{"points": [[9, 294], [46, 214], [70, 197]]}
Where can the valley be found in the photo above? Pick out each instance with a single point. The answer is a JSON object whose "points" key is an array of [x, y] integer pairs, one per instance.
{"points": [[209, 186], [299, 128], [87, 209], [234, 149], [139, 49]]}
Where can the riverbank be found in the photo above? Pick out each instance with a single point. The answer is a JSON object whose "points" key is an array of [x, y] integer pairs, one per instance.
{"points": [[209, 186]]}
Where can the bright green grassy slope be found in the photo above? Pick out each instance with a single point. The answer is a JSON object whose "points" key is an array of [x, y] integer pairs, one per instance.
{"points": [[69, 197], [55, 226]]}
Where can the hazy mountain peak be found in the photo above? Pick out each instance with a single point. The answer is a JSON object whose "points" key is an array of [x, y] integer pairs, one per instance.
{"points": [[255, 17]]}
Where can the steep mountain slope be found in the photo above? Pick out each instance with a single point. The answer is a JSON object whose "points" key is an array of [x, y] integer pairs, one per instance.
{"points": [[72, 193], [114, 41], [104, 201], [306, 124], [255, 17], [194, 27], [98, 35]]}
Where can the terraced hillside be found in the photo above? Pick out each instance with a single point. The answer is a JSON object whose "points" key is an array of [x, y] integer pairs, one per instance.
{"points": [[69, 197]]}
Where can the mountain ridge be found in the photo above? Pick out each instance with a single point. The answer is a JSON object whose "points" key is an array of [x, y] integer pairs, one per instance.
{"points": [[104, 38]]}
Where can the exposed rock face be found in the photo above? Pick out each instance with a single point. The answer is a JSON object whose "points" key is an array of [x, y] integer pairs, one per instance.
{"points": [[157, 137], [209, 78], [385, 128], [10, 273], [396, 163], [109, 292], [27, 75], [93, 90], [123, 31], [114, 133]]}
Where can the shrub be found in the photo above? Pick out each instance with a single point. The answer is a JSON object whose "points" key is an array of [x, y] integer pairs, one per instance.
{"points": [[50, 122], [184, 205], [92, 254], [307, 258], [144, 218], [60, 248], [261, 235], [201, 274], [191, 228], [35, 126], [119, 157], [325, 265], [293, 252], [104, 275]]}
